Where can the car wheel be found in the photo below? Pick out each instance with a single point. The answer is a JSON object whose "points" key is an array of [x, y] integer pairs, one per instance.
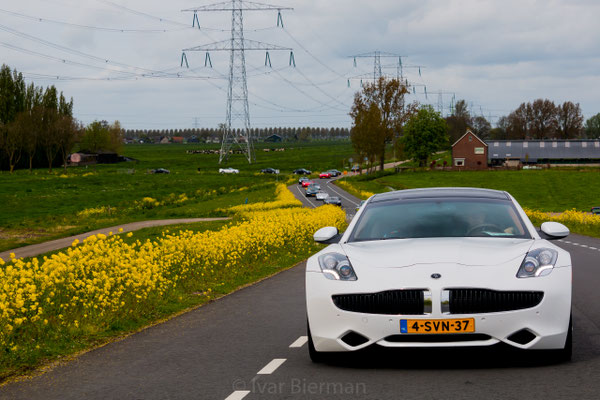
{"points": [[315, 356], [566, 353]]}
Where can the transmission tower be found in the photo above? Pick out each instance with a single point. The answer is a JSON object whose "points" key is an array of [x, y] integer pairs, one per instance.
{"points": [[378, 68], [440, 101], [238, 113]]}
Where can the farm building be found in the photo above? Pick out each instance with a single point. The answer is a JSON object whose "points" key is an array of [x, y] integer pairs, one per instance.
{"points": [[544, 151], [273, 138], [470, 152]]}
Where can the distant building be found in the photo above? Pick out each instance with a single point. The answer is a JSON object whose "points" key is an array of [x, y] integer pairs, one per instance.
{"points": [[469, 152], [274, 139], [177, 139], [544, 151]]}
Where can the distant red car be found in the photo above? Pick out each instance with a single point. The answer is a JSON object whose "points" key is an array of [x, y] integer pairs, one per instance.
{"points": [[306, 183], [325, 175]]}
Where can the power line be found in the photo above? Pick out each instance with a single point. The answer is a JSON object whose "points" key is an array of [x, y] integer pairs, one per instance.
{"points": [[80, 26], [142, 14]]}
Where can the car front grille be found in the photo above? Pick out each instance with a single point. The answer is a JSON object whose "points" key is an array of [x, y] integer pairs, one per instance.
{"points": [[391, 302], [477, 301]]}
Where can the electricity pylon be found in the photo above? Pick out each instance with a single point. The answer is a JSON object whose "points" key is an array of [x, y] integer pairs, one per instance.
{"points": [[238, 111], [378, 68]]}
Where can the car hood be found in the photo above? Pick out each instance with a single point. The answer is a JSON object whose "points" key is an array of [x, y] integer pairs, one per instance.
{"points": [[397, 253]]}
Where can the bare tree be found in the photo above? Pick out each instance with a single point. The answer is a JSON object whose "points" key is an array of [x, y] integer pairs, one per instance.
{"points": [[481, 126], [518, 123], [569, 120], [542, 115]]}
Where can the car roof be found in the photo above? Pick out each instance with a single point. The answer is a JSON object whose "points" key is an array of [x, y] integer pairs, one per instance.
{"points": [[444, 192]]}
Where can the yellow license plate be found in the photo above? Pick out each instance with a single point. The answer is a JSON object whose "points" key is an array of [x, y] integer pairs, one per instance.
{"points": [[463, 325]]}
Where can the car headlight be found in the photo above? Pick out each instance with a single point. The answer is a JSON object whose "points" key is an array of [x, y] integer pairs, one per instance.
{"points": [[337, 267], [538, 262]]}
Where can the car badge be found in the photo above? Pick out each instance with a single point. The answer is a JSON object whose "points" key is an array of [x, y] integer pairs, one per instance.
{"points": [[436, 276]]}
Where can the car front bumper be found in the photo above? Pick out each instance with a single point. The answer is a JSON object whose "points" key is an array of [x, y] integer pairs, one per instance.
{"points": [[548, 321]]}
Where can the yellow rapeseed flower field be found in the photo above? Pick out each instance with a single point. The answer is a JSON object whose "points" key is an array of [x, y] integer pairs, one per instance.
{"points": [[577, 221], [363, 194], [85, 288]]}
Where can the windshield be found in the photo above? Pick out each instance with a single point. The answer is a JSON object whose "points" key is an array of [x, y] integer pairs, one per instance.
{"points": [[427, 218]]}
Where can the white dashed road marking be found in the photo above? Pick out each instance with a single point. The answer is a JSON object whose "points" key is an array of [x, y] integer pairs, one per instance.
{"points": [[272, 366], [351, 201], [585, 246], [301, 195], [238, 395], [300, 341]]}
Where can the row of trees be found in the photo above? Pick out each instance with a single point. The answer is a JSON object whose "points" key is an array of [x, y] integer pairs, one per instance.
{"points": [[33, 121], [37, 126], [539, 119], [287, 133], [542, 119]]}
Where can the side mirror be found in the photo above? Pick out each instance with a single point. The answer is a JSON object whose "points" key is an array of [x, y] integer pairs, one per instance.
{"points": [[554, 230], [327, 235]]}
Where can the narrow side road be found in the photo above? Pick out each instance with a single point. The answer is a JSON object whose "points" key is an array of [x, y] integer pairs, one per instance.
{"points": [[41, 248]]}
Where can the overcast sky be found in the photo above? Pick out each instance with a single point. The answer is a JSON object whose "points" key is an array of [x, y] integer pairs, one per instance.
{"points": [[494, 54]]}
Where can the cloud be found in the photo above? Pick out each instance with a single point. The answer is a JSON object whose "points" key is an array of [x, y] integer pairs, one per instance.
{"points": [[493, 54]]}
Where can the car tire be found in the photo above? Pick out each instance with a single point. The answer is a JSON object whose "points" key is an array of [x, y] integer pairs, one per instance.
{"points": [[315, 356], [566, 353]]}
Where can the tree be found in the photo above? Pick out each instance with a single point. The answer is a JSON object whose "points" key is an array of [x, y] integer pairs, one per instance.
{"points": [[569, 120], [364, 124], [542, 117], [100, 135], [499, 132], [13, 140], [425, 133], [592, 127], [481, 127], [518, 123], [67, 134], [115, 135], [459, 121], [48, 137], [95, 137], [34, 121], [388, 96]]}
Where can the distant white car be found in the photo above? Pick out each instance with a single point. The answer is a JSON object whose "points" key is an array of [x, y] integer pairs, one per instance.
{"points": [[322, 195], [229, 171], [440, 267]]}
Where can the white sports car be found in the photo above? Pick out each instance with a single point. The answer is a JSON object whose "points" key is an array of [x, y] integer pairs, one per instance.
{"points": [[440, 267], [322, 195], [229, 171]]}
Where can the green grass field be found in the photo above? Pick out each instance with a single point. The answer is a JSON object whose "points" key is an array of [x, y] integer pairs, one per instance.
{"points": [[40, 206], [553, 190]]}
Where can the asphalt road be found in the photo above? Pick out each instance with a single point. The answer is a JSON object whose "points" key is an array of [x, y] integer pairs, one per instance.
{"points": [[349, 202], [251, 345]]}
